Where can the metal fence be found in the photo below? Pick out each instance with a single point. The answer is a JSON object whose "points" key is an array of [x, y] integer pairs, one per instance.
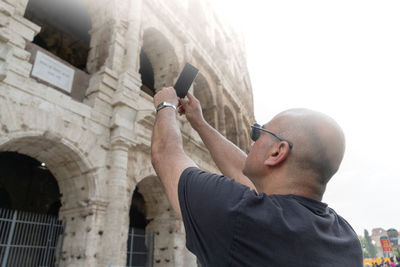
{"points": [[29, 239], [140, 248]]}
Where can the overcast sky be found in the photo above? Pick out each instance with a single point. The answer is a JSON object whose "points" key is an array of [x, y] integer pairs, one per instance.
{"points": [[341, 58]]}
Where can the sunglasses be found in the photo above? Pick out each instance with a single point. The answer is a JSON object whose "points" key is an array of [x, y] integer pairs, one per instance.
{"points": [[255, 132]]}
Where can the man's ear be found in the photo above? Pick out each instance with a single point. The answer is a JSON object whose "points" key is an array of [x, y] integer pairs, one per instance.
{"points": [[277, 154]]}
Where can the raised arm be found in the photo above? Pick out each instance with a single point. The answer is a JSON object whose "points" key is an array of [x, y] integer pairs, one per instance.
{"points": [[167, 155], [227, 156]]}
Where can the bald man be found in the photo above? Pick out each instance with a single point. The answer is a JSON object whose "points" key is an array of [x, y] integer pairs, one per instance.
{"points": [[266, 209]]}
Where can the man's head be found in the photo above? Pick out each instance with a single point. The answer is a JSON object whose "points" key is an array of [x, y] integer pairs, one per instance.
{"points": [[318, 148]]}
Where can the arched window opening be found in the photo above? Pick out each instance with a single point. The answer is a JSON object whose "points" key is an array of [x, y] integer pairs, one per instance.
{"points": [[147, 74], [137, 214], [230, 126], [29, 206], [202, 92], [158, 61], [138, 253], [28, 185], [64, 31]]}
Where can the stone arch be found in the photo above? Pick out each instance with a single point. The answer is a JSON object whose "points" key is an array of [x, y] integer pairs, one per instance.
{"points": [[65, 27], [76, 179], [53, 136], [157, 203], [140, 174], [162, 60], [68, 166], [146, 73], [164, 224], [71, 150], [139, 249], [230, 126], [202, 91]]}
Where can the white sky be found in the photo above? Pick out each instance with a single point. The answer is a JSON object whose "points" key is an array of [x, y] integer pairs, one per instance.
{"points": [[341, 58]]}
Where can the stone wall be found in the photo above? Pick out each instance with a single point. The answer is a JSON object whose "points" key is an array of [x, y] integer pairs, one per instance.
{"points": [[98, 148]]}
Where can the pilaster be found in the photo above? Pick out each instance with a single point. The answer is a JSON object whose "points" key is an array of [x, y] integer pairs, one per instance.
{"points": [[15, 31], [83, 236], [133, 37], [116, 225]]}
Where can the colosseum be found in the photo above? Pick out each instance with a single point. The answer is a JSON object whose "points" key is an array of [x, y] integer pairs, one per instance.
{"points": [[77, 80]]}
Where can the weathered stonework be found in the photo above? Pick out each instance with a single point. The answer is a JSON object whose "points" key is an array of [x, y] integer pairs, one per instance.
{"points": [[98, 148]]}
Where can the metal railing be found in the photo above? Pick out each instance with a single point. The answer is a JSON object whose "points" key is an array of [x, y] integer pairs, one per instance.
{"points": [[29, 239], [140, 248]]}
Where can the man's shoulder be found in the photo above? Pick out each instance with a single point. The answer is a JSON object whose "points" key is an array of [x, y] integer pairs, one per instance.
{"points": [[298, 225], [194, 175], [306, 215], [217, 190]]}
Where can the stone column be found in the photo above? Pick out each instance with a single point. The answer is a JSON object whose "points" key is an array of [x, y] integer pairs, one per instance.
{"points": [[169, 242], [183, 257], [116, 226], [83, 234], [133, 37], [119, 188], [15, 32], [169, 235], [107, 36]]}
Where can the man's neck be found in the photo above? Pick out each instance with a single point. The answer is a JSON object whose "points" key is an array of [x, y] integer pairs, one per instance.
{"points": [[290, 187]]}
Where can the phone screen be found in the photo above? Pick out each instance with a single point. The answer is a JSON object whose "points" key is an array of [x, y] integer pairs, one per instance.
{"points": [[185, 80]]}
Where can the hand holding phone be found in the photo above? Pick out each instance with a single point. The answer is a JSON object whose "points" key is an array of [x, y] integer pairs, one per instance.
{"points": [[185, 80]]}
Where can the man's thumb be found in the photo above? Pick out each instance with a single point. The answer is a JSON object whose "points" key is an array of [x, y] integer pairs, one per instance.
{"points": [[190, 96]]}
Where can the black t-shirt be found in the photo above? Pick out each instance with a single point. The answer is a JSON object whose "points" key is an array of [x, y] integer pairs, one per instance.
{"points": [[227, 224]]}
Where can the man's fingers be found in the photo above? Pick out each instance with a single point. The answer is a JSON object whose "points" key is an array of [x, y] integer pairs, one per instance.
{"points": [[181, 110], [184, 101], [190, 96]]}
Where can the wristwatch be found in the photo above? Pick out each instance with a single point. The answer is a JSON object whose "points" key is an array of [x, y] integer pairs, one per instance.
{"points": [[163, 105]]}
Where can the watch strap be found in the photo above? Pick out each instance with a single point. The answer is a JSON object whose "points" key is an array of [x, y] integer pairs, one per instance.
{"points": [[163, 105]]}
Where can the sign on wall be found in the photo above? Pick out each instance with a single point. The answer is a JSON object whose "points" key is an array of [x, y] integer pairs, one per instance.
{"points": [[52, 71], [386, 248]]}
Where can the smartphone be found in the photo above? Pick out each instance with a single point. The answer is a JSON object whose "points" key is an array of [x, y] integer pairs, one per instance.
{"points": [[185, 80]]}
